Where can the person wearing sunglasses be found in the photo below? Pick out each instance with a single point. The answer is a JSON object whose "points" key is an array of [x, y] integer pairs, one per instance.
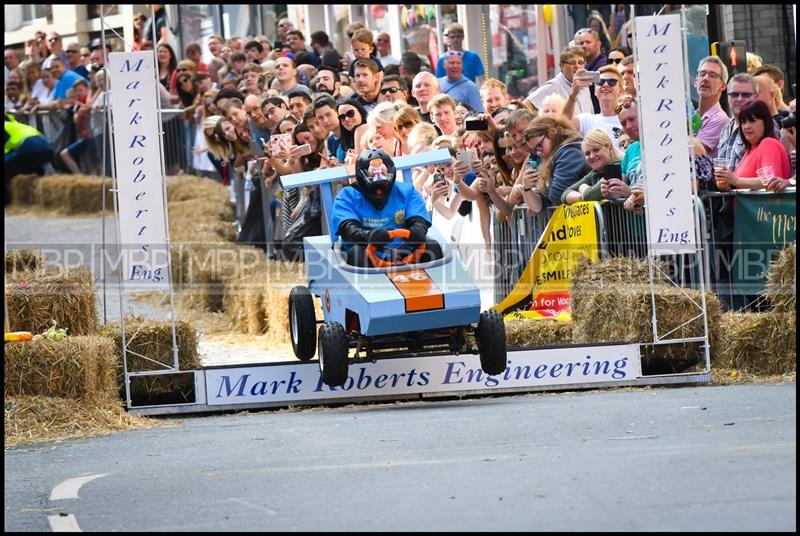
{"points": [[393, 88], [608, 90], [456, 85], [472, 64], [56, 50], [571, 60], [353, 122], [742, 90], [617, 54]]}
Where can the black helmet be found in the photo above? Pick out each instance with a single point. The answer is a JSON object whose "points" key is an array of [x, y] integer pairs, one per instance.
{"points": [[375, 174]]}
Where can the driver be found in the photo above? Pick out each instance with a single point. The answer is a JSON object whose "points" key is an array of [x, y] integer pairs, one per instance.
{"points": [[366, 211]]}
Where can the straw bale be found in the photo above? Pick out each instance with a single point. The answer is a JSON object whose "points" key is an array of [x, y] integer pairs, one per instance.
{"points": [[23, 190], [153, 339], [619, 270], [74, 194], [757, 343], [244, 303], [530, 333], [37, 419], [184, 187], [780, 289], [35, 299], [76, 367], [201, 220], [18, 260]]}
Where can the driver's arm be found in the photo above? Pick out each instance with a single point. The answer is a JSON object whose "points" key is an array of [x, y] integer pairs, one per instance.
{"points": [[419, 230], [351, 231]]}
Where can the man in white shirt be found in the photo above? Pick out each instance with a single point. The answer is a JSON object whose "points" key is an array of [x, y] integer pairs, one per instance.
{"points": [[607, 89], [384, 45], [572, 59]]}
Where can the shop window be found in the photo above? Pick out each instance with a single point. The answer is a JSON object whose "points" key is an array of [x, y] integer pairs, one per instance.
{"points": [[418, 24], [514, 47]]}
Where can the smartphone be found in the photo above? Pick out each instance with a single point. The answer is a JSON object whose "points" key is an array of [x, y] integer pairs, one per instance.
{"points": [[612, 171], [594, 75], [476, 124], [534, 161], [438, 176], [467, 157], [304, 149]]}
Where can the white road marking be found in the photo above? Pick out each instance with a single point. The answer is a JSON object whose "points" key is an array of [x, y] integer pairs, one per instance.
{"points": [[254, 506], [66, 523], [69, 488]]}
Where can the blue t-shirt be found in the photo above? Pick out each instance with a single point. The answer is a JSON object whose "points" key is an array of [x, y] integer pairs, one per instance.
{"points": [[404, 203], [462, 90], [472, 66], [65, 83]]}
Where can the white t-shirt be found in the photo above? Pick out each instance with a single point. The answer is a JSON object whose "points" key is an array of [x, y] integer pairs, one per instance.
{"points": [[607, 123], [41, 92], [561, 86]]}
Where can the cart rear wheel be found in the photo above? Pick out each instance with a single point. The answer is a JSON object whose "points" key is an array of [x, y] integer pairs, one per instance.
{"points": [[491, 338], [333, 354], [302, 323]]}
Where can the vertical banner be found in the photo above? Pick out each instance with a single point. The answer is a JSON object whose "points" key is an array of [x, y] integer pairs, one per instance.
{"points": [[664, 137], [544, 287], [140, 194]]}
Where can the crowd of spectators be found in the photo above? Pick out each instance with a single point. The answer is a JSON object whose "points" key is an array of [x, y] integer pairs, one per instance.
{"points": [[267, 109]]}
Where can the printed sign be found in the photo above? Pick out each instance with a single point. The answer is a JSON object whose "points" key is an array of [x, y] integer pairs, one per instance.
{"points": [[140, 183], [664, 138], [571, 234], [431, 374]]}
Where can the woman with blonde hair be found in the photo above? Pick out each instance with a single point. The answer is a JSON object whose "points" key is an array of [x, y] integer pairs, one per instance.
{"points": [[599, 151], [381, 119], [404, 122]]}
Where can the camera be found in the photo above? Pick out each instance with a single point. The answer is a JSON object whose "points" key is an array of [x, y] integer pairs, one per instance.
{"points": [[438, 176], [788, 121], [476, 124]]}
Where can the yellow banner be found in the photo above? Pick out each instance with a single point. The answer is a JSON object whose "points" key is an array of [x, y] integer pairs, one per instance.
{"points": [[544, 287]]}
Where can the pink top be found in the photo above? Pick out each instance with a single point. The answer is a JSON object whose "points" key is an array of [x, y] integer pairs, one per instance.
{"points": [[768, 152]]}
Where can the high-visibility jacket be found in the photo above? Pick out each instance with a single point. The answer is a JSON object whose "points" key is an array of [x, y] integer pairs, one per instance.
{"points": [[17, 133]]}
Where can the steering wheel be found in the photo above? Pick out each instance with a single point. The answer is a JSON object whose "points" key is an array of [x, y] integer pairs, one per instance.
{"points": [[411, 258]]}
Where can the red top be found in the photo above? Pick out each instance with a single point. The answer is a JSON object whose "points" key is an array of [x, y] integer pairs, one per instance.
{"points": [[768, 152]]}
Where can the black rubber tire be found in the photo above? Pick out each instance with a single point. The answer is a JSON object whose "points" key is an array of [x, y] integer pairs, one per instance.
{"points": [[302, 323], [491, 338], [333, 362]]}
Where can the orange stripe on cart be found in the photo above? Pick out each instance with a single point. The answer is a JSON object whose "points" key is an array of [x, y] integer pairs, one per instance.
{"points": [[418, 289]]}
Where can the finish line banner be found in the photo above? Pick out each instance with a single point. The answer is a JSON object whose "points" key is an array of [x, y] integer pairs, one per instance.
{"points": [[140, 183], [571, 234], [294, 382]]}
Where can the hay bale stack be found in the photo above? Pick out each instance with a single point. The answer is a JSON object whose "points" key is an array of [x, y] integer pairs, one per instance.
{"points": [[529, 333], [37, 419], [74, 194], [77, 367], [245, 304], [153, 339], [185, 187], [35, 299], [201, 220], [780, 289], [611, 303], [20, 260], [757, 343], [23, 190]]}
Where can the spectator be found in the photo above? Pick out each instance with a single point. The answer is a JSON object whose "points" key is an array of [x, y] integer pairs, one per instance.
{"points": [[754, 61], [443, 112], [363, 48], [254, 51], [381, 119], [712, 75], [326, 112], [608, 90], [320, 43], [299, 101], [424, 88], [13, 96], [167, 62], [494, 95], [589, 41], [472, 64], [326, 81], [458, 86], [283, 27], [286, 76], [56, 50], [257, 121], [762, 149], [553, 105], [64, 79], [559, 146], [274, 109], [353, 120], [368, 79], [185, 67], [596, 23], [628, 76], [348, 57], [73, 53], [195, 54], [394, 88], [43, 99], [384, 45], [516, 125], [38, 51], [296, 41], [770, 84], [11, 58], [215, 42], [252, 78], [742, 90], [617, 54], [71, 154], [599, 152], [572, 59], [404, 122], [156, 27]]}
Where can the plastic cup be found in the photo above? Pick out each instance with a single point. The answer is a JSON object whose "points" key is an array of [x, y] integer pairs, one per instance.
{"points": [[766, 174], [720, 164]]}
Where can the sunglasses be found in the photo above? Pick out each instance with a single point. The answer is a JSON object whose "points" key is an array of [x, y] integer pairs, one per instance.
{"points": [[574, 62], [347, 115], [624, 105], [740, 95], [615, 60], [407, 125], [391, 90], [53, 39], [456, 53], [610, 81]]}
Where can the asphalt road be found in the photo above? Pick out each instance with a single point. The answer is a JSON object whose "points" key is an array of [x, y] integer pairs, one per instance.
{"points": [[707, 458]]}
